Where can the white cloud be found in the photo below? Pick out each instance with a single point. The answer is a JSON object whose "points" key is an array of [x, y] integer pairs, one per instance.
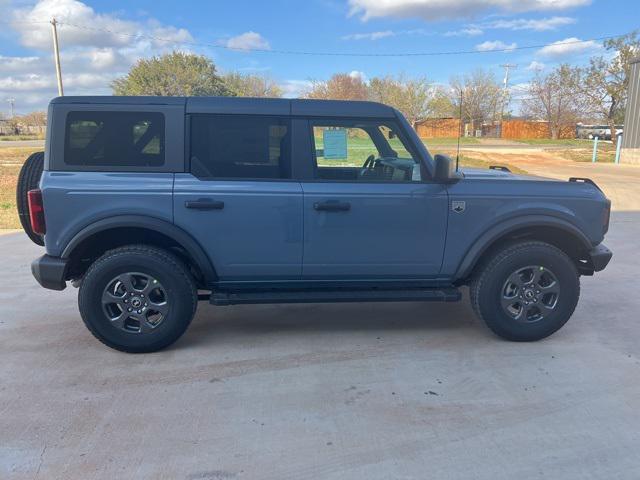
{"points": [[537, 25], [95, 49], [535, 66], [92, 33], [489, 46], [9, 65], [295, 88], [568, 46], [468, 32], [432, 10], [248, 41], [358, 74], [369, 36]]}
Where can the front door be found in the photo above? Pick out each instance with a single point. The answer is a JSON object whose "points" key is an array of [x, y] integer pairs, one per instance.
{"points": [[367, 212], [238, 200]]}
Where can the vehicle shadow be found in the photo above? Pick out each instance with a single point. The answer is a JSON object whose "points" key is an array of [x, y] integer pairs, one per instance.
{"points": [[221, 324]]}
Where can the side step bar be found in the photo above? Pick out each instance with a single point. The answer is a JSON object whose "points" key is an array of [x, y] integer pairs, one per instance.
{"points": [[334, 296]]}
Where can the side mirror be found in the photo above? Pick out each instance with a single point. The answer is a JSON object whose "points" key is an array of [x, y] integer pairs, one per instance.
{"points": [[445, 169]]}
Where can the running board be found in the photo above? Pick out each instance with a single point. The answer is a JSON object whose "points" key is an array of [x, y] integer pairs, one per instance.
{"points": [[336, 296]]}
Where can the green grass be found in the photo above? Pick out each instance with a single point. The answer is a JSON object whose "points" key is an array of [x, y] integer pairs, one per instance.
{"points": [[12, 138], [606, 154], [450, 141], [471, 162], [11, 159]]}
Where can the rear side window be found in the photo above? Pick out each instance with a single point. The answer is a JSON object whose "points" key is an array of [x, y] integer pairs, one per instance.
{"points": [[114, 139], [240, 146]]}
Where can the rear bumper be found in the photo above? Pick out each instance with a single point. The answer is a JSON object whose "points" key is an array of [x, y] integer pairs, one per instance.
{"points": [[50, 272], [600, 256]]}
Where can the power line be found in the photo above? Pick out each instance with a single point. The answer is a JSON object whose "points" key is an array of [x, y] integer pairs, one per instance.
{"points": [[318, 53], [336, 54]]}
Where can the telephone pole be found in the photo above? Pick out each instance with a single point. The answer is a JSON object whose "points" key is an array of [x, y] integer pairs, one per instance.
{"points": [[12, 102], [505, 94], [56, 55]]}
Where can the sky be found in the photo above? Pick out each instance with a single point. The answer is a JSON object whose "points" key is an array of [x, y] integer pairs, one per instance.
{"points": [[101, 40]]}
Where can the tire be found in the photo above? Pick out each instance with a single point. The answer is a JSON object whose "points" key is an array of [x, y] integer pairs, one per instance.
{"points": [[118, 281], [518, 313], [28, 179]]}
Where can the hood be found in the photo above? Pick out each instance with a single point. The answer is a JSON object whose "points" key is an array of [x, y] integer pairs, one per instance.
{"points": [[491, 174]]}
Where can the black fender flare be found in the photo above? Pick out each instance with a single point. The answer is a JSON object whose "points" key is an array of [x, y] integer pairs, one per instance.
{"points": [[477, 249], [192, 247]]}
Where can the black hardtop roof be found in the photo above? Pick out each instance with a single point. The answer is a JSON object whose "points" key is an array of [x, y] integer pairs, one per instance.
{"points": [[240, 105]]}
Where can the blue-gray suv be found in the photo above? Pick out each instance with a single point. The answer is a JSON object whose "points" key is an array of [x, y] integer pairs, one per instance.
{"points": [[149, 204]]}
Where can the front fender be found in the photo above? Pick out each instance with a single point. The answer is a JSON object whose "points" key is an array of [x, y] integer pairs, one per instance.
{"points": [[504, 228]]}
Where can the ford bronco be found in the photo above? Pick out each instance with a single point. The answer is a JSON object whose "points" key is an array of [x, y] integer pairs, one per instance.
{"points": [[149, 204]]}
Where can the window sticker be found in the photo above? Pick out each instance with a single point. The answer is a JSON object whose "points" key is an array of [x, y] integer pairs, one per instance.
{"points": [[335, 143]]}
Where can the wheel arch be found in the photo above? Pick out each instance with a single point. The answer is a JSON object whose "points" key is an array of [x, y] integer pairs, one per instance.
{"points": [[117, 231], [555, 231]]}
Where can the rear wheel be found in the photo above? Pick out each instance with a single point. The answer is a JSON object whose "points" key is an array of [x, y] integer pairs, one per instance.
{"points": [[29, 179], [137, 299], [526, 292]]}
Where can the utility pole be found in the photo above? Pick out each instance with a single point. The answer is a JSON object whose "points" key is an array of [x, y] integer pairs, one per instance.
{"points": [[505, 94], [56, 55], [12, 102]]}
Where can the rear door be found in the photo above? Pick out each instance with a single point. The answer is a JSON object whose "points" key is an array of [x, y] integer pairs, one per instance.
{"points": [[368, 214], [238, 199]]}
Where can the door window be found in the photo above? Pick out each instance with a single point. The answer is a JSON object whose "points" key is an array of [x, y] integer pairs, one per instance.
{"points": [[362, 152], [240, 146]]}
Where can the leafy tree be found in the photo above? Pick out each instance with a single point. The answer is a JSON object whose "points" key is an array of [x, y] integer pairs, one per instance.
{"points": [[440, 104], [607, 79], [481, 96], [251, 85], [412, 96], [173, 74], [555, 98], [340, 86]]}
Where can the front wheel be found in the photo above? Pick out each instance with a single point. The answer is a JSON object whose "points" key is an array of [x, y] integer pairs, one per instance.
{"points": [[137, 299], [526, 292]]}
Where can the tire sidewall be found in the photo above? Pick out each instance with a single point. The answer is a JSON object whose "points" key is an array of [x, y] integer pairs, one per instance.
{"points": [[491, 291], [29, 179], [178, 293]]}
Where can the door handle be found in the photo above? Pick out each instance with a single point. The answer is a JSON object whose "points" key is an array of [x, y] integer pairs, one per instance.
{"points": [[332, 206], [204, 204]]}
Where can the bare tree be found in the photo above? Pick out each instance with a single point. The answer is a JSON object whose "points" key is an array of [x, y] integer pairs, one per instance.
{"points": [[251, 85], [555, 98], [341, 86], [607, 79], [481, 97], [34, 119]]}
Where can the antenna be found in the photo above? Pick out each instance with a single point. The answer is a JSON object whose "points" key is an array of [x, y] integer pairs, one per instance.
{"points": [[459, 131]]}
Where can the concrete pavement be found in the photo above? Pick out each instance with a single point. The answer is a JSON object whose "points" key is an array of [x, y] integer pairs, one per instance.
{"points": [[371, 391]]}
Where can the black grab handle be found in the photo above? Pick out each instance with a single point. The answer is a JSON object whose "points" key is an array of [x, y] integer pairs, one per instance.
{"points": [[204, 204], [332, 206]]}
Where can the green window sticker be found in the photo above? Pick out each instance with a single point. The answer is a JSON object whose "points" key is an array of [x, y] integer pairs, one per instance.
{"points": [[335, 143]]}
